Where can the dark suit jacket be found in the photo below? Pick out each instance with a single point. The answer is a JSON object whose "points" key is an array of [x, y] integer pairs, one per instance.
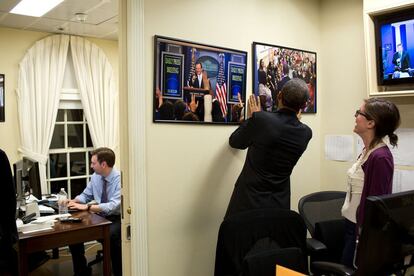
{"points": [[194, 82], [8, 231], [252, 242], [276, 141], [404, 61]]}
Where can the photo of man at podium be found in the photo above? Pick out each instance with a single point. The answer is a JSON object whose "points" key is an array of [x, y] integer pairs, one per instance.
{"points": [[198, 83], [200, 80], [208, 109]]}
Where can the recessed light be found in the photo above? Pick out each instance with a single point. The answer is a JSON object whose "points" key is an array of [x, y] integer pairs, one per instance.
{"points": [[35, 7], [81, 17]]}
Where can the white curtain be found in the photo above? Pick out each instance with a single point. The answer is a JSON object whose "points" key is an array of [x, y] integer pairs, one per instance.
{"points": [[96, 83], [38, 92]]}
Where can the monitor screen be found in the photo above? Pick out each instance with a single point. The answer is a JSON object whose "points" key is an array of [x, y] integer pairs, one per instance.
{"points": [[31, 168], [387, 236], [395, 47], [18, 182], [27, 178]]}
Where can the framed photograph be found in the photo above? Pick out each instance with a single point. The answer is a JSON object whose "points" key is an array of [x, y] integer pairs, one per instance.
{"points": [[2, 98], [274, 65], [198, 83]]}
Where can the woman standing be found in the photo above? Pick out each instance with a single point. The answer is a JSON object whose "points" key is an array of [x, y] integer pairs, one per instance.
{"points": [[372, 173]]}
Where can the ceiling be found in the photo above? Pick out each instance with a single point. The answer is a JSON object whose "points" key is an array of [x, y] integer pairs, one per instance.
{"points": [[101, 20]]}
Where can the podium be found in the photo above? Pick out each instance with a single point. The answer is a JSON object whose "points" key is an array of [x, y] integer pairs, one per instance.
{"points": [[198, 92]]}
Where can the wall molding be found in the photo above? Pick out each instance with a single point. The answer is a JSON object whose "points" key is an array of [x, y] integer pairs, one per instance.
{"points": [[137, 135]]}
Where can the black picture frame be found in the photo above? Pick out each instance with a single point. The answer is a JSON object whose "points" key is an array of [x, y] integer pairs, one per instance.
{"points": [[299, 63], [176, 85], [2, 98]]}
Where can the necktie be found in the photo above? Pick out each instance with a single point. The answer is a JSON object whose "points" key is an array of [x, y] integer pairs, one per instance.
{"points": [[104, 197]]}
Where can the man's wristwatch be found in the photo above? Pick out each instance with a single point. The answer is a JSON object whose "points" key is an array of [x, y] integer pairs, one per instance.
{"points": [[89, 207]]}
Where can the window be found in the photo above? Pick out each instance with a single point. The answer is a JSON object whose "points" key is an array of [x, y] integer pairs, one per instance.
{"points": [[69, 153]]}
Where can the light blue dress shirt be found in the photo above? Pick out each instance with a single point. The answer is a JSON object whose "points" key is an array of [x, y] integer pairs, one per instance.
{"points": [[93, 191]]}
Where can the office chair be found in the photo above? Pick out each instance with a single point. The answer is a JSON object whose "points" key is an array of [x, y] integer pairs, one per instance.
{"points": [[321, 212], [253, 242], [386, 243]]}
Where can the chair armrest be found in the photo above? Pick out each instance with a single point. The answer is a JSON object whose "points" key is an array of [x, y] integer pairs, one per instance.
{"points": [[331, 268], [315, 246]]}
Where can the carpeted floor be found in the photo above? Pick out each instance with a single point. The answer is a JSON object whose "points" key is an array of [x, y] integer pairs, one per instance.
{"points": [[63, 265]]}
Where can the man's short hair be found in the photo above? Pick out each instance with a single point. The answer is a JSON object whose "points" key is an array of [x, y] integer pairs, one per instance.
{"points": [[198, 63], [295, 94], [104, 154]]}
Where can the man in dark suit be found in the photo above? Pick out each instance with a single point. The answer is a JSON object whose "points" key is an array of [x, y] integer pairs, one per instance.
{"points": [[401, 59], [197, 79], [200, 80], [8, 230], [275, 142]]}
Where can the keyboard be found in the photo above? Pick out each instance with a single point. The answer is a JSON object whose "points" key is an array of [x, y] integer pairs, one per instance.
{"points": [[54, 205]]}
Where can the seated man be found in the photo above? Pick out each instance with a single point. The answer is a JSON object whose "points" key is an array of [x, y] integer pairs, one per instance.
{"points": [[401, 59], [200, 80], [105, 189]]}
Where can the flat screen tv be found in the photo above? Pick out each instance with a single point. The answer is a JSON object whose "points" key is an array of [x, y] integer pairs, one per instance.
{"points": [[394, 37]]}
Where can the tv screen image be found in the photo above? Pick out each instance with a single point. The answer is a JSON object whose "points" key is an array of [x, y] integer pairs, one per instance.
{"points": [[395, 47], [198, 83], [274, 65]]}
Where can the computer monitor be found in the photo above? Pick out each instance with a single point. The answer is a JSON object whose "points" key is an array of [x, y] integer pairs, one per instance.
{"points": [[27, 179], [18, 182], [386, 244]]}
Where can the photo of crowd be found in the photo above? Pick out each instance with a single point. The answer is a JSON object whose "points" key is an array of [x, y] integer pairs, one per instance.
{"points": [[274, 65]]}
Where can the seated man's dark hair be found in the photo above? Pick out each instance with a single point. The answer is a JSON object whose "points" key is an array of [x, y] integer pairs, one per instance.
{"points": [[104, 154], [295, 94]]}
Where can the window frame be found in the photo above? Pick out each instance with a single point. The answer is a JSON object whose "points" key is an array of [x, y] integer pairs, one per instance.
{"points": [[69, 100]]}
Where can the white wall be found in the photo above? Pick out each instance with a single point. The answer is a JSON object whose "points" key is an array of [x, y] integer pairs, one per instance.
{"points": [[191, 169], [343, 78]]}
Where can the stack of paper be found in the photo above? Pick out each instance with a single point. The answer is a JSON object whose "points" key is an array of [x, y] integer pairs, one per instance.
{"points": [[40, 224], [35, 227]]}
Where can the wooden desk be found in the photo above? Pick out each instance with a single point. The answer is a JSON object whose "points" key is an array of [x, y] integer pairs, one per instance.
{"points": [[92, 227]]}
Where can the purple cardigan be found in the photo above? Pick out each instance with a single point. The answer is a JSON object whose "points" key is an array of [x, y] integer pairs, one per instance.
{"points": [[378, 174]]}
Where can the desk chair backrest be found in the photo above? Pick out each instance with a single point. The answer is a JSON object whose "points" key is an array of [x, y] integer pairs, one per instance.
{"points": [[321, 207], [261, 238], [321, 212]]}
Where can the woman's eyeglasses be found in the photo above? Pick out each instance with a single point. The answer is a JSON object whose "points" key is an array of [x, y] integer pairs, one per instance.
{"points": [[359, 112]]}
